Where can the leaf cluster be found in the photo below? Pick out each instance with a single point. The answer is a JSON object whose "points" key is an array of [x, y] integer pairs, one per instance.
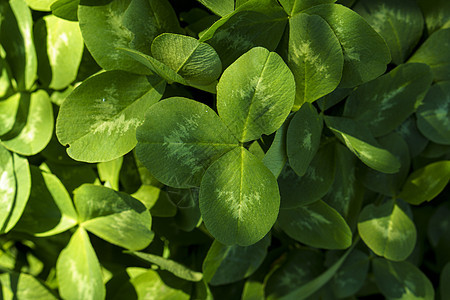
{"points": [[224, 149]]}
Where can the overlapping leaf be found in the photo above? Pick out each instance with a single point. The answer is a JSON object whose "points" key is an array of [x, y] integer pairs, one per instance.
{"points": [[98, 120]]}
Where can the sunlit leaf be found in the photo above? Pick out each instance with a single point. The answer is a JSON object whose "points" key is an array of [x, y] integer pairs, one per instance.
{"points": [[314, 56], [387, 230], [113, 216], [98, 120], [360, 141], [179, 140], [426, 183], [239, 198], [119, 25], [78, 270], [255, 94]]}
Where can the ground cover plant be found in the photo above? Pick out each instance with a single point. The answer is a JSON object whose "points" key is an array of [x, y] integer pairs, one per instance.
{"points": [[221, 149]]}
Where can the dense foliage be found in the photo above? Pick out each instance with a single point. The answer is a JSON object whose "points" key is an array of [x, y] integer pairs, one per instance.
{"points": [[221, 149]]}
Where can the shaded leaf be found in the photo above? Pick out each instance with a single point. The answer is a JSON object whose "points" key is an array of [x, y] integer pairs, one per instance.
{"points": [[59, 46], [17, 40], [435, 53], [388, 184], [24, 286], [351, 276], [384, 103], [66, 9], [219, 7], [400, 23], [254, 23], [313, 185], [401, 280], [303, 138], [226, 264], [317, 225], [49, 210], [433, 116], [365, 52], [33, 130]]}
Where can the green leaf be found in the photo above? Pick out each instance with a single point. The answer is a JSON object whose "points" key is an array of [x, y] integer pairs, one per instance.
{"points": [[346, 193], [365, 52], [254, 23], [433, 115], [196, 62], [412, 136], [66, 9], [113, 216], [156, 200], [179, 140], [300, 267], [401, 280], [219, 7], [303, 138], [41, 5], [78, 270], [313, 185], [317, 283], [5, 80], [33, 130], [444, 280], [387, 230], [317, 225], [293, 7], [435, 52], [155, 66], [99, 118], [239, 198], [59, 46], [388, 184], [8, 112], [7, 185], [276, 156], [226, 264], [360, 141], [23, 286], [386, 102], [426, 183], [150, 284], [314, 56], [49, 210], [16, 34], [172, 266], [23, 188], [109, 172], [253, 290], [400, 23], [436, 14], [119, 24], [352, 275], [255, 94]]}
